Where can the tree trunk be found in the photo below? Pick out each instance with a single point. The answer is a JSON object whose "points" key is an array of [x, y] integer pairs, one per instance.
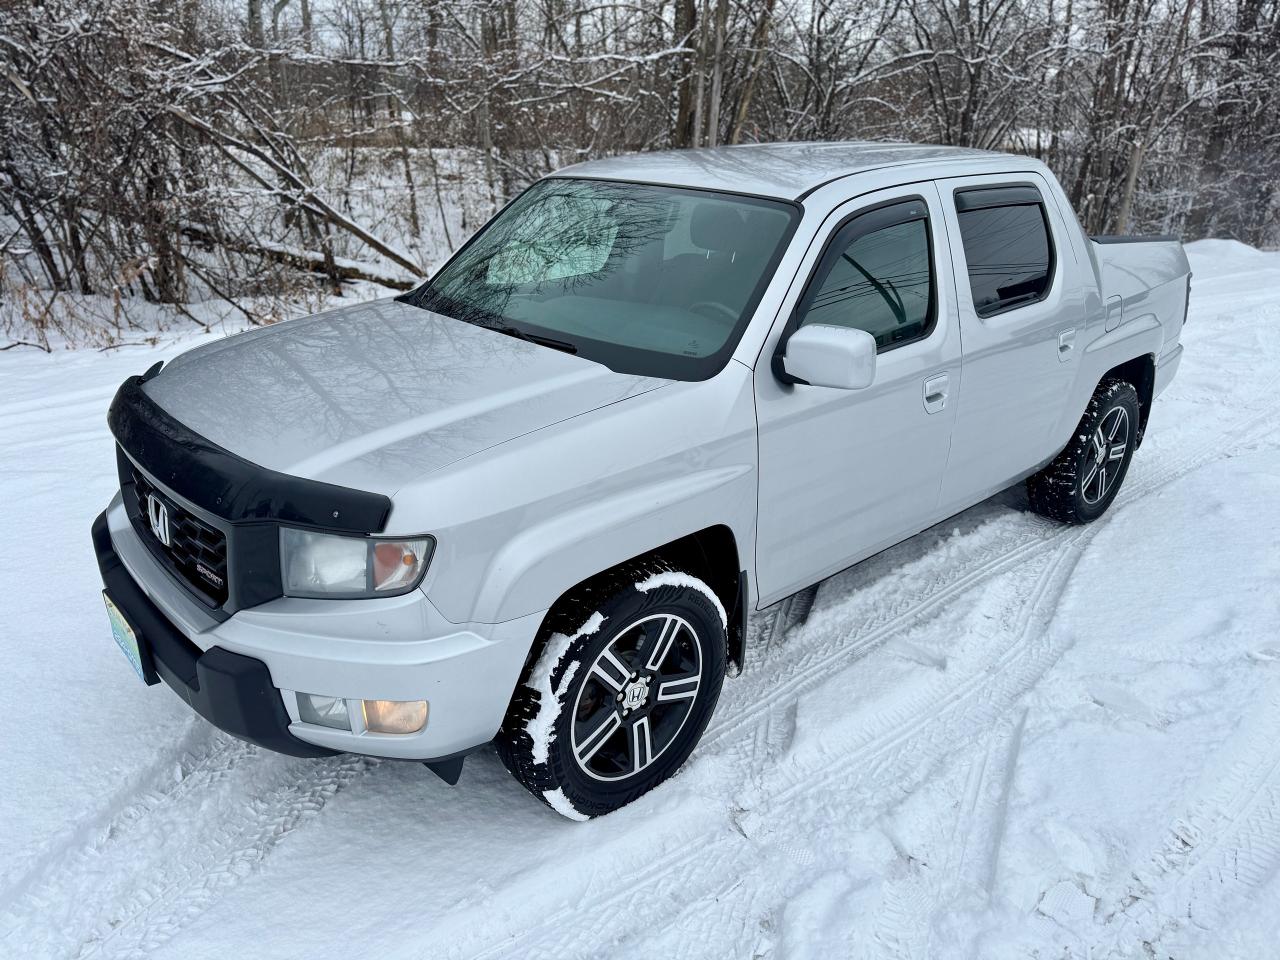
{"points": [[304, 12], [394, 114], [759, 37], [717, 75], [483, 119], [1130, 187], [277, 8], [320, 262], [256, 38], [39, 243], [700, 87], [682, 70]]}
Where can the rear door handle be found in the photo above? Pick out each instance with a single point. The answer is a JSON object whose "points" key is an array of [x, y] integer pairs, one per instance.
{"points": [[1066, 343], [935, 393]]}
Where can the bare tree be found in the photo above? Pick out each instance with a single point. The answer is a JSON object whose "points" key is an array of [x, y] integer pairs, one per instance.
{"points": [[173, 151]]}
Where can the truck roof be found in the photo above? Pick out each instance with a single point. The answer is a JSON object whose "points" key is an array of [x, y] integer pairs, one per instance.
{"points": [[788, 171]]}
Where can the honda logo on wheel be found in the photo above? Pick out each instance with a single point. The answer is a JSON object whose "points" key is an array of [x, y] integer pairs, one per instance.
{"points": [[158, 514]]}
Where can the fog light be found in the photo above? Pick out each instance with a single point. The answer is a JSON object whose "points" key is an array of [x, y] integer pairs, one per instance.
{"points": [[325, 711], [395, 716]]}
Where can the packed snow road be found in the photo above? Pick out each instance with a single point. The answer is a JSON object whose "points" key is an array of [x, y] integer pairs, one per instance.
{"points": [[1001, 738]]}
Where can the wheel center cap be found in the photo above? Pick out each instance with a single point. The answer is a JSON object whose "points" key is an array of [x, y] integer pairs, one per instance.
{"points": [[635, 693]]}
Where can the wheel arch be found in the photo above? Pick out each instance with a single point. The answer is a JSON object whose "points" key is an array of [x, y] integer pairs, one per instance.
{"points": [[1141, 372], [711, 554]]}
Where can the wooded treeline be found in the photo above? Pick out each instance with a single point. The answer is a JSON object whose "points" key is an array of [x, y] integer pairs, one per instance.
{"points": [[177, 150]]}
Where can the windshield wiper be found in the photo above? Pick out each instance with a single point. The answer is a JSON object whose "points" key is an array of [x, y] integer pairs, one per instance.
{"points": [[486, 319], [561, 345]]}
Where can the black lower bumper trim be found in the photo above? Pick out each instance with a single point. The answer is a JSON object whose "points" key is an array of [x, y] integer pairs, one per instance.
{"points": [[231, 691]]}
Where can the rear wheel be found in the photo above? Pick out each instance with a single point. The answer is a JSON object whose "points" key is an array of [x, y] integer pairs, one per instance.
{"points": [[628, 677], [1081, 482]]}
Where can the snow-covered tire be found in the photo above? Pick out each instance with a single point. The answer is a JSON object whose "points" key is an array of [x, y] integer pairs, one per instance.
{"points": [[1081, 482], [629, 672]]}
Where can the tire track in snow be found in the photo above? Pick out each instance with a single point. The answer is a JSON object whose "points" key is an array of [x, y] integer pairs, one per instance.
{"points": [[94, 397], [732, 905], [160, 864], [26, 423], [164, 781], [975, 847], [978, 839], [967, 867], [1225, 844], [245, 844], [801, 669], [903, 729]]}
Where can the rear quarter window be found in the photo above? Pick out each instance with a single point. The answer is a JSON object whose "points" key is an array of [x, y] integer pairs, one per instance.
{"points": [[1007, 247]]}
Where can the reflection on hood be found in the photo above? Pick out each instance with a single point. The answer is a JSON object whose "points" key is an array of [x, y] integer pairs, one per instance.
{"points": [[378, 394]]}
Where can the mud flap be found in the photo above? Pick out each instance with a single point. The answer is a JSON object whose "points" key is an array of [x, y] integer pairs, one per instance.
{"points": [[771, 625], [449, 769], [736, 639]]}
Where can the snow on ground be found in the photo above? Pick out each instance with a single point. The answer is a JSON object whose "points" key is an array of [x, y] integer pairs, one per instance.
{"points": [[1003, 738]]}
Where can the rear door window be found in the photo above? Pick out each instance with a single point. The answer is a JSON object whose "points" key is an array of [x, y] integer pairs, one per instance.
{"points": [[1005, 232]]}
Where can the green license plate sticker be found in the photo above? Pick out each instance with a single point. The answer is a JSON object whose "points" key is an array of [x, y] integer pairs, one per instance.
{"points": [[126, 639]]}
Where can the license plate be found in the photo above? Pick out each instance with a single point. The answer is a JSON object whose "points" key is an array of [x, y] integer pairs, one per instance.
{"points": [[126, 639]]}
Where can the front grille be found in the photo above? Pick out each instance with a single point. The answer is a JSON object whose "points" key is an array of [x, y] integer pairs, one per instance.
{"points": [[196, 552]]}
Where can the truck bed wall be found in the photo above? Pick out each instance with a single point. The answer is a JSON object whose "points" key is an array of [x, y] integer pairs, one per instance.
{"points": [[1150, 275]]}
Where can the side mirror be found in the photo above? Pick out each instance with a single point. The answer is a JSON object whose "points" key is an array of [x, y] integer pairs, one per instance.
{"points": [[828, 356]]}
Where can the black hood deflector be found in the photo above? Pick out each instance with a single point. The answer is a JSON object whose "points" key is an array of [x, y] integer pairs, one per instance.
{"points": [[226, 485]]}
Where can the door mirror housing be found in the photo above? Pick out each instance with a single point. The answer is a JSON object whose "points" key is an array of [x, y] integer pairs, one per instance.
{"points": [[823, 355]]}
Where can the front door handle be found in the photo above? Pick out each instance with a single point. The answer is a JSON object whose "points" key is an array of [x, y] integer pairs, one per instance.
{"points": [[935, 393]]}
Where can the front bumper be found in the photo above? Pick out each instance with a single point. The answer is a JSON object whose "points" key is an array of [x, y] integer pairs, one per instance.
{"points": [[242, 674], [231, 691]]}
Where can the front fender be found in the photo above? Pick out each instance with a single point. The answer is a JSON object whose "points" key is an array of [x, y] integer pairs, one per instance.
{"points": [[525, 521], [547, 559]]}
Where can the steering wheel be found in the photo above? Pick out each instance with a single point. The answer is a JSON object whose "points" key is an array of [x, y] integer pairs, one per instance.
{"points": [[710, 309]]}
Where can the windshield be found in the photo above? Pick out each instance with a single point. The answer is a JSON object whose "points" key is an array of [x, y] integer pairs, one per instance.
{"points": [[658, 281]]}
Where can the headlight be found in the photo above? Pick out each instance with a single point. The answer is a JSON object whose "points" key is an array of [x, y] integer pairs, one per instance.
{"points": [[324, 565]]}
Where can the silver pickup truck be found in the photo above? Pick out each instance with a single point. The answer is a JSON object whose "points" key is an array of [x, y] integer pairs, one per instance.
{"points": [[536, 500]]}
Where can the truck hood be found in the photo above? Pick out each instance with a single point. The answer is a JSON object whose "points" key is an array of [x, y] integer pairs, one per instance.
{"points": [[378, 394]]}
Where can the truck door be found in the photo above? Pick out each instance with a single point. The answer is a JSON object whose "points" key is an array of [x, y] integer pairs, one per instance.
{"points": [[844, 473], [1020, 312]]}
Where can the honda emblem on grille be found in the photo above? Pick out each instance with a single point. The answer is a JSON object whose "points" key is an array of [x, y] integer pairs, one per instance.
{"points": [[158, 514]]}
